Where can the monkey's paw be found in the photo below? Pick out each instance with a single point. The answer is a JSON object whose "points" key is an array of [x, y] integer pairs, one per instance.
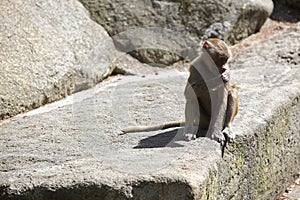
{"points": [[189, 136], [188, 133], [228, 134], [225, 77], [219, 136]]}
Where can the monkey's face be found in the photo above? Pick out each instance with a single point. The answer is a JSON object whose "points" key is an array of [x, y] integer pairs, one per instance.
{"points": [[217, 50]]}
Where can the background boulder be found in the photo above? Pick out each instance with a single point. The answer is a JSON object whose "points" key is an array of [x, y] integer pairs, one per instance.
{"points": [[190, 20], [49, 49]]}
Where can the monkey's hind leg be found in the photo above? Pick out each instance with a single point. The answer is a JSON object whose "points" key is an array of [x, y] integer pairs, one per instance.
{"points": [[191, 115]]}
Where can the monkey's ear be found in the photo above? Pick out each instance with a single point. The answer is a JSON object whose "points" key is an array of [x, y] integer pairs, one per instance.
{"points": [[206, 44], [230, 54]]}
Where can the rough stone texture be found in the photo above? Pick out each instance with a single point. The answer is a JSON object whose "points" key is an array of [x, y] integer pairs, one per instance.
{"points": [[188, 21], [49, 49], [71, 149]]}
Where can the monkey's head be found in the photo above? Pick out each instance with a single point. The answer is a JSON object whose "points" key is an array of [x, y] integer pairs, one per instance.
{"points": [[218, 50]]}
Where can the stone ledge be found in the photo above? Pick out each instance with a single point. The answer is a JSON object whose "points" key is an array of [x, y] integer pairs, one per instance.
{"points": [[68, 153]]}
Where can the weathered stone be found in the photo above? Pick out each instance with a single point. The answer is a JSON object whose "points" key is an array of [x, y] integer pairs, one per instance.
{"points": [[49, 49], [71, 149], [170, 29]]}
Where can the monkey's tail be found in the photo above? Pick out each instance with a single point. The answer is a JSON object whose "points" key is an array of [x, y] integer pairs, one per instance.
{"points": [[165, 125]]}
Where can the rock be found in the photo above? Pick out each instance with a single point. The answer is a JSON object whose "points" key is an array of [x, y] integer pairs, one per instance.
{"points": [[280, 50], [163, 32], [71, 149], [49, 49]]}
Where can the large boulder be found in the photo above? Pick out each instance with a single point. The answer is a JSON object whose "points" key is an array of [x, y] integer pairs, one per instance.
{"points": [[176, 25], [49, 49]]}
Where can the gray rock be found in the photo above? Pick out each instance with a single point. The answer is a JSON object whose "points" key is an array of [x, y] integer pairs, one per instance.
{"points": [[49, 49], [163, 32], [71, 149]]}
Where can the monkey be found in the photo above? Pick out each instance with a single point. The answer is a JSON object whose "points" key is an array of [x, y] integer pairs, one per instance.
{"points": [[211, 101]]}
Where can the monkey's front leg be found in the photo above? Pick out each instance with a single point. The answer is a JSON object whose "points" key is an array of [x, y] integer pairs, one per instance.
{"points": [[219, 107], [226, 74], [231, 112]]}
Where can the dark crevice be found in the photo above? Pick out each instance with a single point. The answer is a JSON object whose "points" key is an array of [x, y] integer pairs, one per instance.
{"points": [[285, 13]]}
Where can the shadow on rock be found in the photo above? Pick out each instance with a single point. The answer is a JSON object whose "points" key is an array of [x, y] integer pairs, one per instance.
{"points": [[167, 138], [285, 13]]}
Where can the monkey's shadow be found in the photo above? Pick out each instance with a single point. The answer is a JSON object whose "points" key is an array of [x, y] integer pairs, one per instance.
{"points": [[168, 138]]}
